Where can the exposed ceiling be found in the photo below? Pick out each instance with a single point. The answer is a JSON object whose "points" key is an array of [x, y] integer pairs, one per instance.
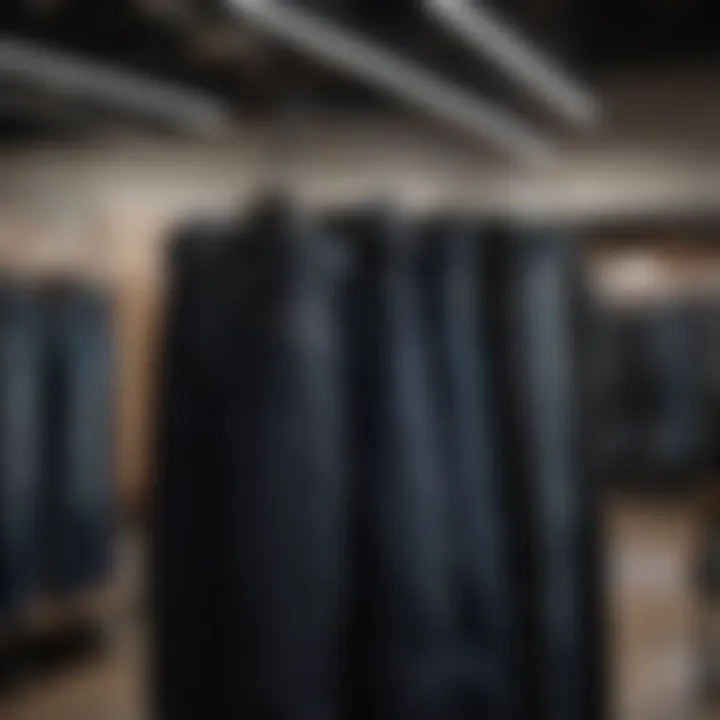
{"points": [[198, 44]]}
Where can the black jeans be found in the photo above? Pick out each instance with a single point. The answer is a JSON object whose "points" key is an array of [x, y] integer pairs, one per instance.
{"points": [[252, 482], [405, 658], [530, 286], [453, 321], [189, 574]]}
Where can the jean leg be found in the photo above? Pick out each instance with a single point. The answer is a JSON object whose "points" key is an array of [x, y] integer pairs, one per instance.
{"points": [[20, 352]]}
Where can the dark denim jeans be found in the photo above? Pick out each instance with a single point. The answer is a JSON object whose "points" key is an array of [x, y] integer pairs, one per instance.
{"points": [[676, 438], [472, 484], [655, 407], [251, 507], [405, 642], [530, 286], [288, 466], [20, 422], [190, 567], [408, 415], [76, 487], [546, 328]]}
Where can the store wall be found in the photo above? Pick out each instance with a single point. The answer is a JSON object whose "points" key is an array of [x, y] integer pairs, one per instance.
{"points": [[106, 209]]}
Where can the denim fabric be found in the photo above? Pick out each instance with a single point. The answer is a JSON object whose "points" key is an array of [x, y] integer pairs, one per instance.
{"points": [[287, 458], [548, 352], [592, 575], [498, 315], [77, 486], [654, 406], [471, 479], [529, 284], [676, 437], [252, 486], [191, 601], [613, 342], [392, 432], [20, 423], [405, 628]]}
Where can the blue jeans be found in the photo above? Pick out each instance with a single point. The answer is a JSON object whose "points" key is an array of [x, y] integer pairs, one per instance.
{"points": [[453, 321], [546, 329], [251, 503], [76, 487], [405, 650], [20, 423], [529, 290], [409, 417]]}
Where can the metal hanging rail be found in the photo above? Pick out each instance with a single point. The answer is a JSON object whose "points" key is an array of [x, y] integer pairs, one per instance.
{"points": [[505, 48], [59, 74], [350, 54]]}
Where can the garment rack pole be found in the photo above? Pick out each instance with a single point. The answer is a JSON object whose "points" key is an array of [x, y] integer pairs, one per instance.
{"points": [[345, 52], [505, 47], [61, 74]]}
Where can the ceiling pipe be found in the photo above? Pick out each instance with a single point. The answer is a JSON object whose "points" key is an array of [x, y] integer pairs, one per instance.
{"points": [[59, 74], [509, 51], [354, 56]]}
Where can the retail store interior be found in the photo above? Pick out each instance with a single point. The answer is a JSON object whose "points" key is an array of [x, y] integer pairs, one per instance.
{"points": [[323, 324]]}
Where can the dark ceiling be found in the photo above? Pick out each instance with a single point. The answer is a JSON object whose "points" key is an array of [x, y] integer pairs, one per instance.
{"points": [[200, 45]]}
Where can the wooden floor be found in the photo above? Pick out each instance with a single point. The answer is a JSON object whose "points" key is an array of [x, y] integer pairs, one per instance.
{"points": [[655, 620], [655, 668]]}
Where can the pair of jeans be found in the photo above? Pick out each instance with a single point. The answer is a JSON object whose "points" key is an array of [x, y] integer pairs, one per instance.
{"points": [[190, 587], [655, 403], [404, 648], [529, 283], [20, 424], [251, 505], [676, 437], [546, 334], [76, 486], [453, 322]]}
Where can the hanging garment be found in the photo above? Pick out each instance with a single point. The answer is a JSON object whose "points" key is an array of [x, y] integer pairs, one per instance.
{"points": [[654, 401], [386, 424], [190, 575], [76, 487], [531, 334], [546, 338], [20, 424], [405, 651], [635, 392], [676, 438], [264, 393], [498, 292], [613, 343], [471, 481], [592, 575]]}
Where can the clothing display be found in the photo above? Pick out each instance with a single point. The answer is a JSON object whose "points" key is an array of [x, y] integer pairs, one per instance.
{"points": [[371, 499], [654, 390], [56, 492]]}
